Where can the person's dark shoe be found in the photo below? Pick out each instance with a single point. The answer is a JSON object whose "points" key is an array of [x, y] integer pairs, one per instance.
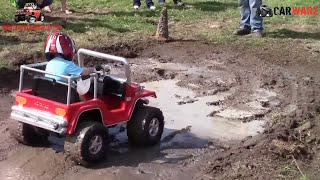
{"points": [[179, 3], [257, 33], [136, 7], [242, 32], [152, 7]]}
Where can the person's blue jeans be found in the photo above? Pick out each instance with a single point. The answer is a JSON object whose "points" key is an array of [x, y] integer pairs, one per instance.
{"points": [[148, 3], [174, 1], [249, 18]]}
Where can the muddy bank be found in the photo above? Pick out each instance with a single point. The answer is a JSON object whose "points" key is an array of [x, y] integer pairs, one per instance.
{"points": [[232, 112]]}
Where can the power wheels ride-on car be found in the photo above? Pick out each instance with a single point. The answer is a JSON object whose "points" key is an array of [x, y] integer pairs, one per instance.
{"points": [[30, 13], [264, 11], [52, 106]]}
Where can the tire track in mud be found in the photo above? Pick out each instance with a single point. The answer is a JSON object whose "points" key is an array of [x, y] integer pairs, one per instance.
{"points": [[32, 163]]}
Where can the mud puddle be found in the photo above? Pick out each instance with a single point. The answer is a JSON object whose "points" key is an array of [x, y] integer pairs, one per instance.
{"points": [[192, 121], [183, 110]]}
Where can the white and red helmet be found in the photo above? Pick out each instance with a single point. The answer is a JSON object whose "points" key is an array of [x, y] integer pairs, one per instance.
{"points": [[58, 43]]}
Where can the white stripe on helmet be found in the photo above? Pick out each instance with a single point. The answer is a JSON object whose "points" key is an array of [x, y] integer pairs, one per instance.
{"points": [[73, 46], [58, 45], [48, 44]]}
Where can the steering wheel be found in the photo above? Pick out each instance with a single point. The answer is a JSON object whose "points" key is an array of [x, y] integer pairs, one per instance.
{"points": [[103, 70], [99, 73]]}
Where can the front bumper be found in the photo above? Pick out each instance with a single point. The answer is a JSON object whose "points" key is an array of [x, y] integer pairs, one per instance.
{"points": [[40, 119]]}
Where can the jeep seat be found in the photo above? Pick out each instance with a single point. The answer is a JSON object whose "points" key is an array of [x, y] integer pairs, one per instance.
{"points": [[110, 86], [49, 88]]}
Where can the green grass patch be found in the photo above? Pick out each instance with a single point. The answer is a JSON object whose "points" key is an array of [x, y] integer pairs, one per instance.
{"points": [[103, 21], [7, 11]]}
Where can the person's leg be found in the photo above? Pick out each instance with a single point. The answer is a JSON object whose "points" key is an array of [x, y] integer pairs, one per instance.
{"points": [[150, 4], [136, 4], [245, 27], [46, 5], [255, 20], [64, 7], [244, 14], [178, 2], [162, 2]]}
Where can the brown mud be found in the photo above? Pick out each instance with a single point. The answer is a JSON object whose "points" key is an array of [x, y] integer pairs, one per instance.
{"points": [[231, 112]]}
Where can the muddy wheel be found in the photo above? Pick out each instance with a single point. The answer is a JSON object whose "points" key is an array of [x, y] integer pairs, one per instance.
{"points": [[88, 145], [27, 18], [263, 13], [30, 135], [16, 19], [41, 17], [146, 126], [31, 19]]}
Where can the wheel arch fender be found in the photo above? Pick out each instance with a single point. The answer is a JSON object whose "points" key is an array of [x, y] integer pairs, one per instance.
{"points": [[94, 114], [139, 101]]}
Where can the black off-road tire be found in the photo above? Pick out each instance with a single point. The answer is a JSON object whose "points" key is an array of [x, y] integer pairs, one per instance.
{"points": [[32, 19], [16, 18], [263, 13], [77, 145], [41, 18], [27, 18], [31, 135], [139, 126]]}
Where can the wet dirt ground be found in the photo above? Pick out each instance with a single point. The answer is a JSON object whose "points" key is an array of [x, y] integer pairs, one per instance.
{"points": [[226, 109]]}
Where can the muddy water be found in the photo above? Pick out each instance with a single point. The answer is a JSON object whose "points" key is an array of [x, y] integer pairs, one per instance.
{"points": [[187, 126], [181, 109]]}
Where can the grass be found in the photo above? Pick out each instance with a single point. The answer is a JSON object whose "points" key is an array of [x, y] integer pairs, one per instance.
{"points": [[304, 177], [103, 21], [288, 171]]}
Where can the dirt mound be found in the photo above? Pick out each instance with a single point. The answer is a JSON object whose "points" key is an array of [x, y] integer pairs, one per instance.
{"points": [[291, 136]]}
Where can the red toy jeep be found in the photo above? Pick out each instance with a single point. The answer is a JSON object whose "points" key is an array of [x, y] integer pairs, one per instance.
{"points": [[54, 106], [30, 13]]}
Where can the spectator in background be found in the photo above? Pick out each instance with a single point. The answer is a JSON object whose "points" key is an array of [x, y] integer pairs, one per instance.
{"points": [[149, 3], [250, 22], [63, 7], [44, 4], [175, 2]]}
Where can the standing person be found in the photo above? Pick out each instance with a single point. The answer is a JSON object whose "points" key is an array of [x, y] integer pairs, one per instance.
{"points": [[250, 22], [149, 3], [175, 2]]}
